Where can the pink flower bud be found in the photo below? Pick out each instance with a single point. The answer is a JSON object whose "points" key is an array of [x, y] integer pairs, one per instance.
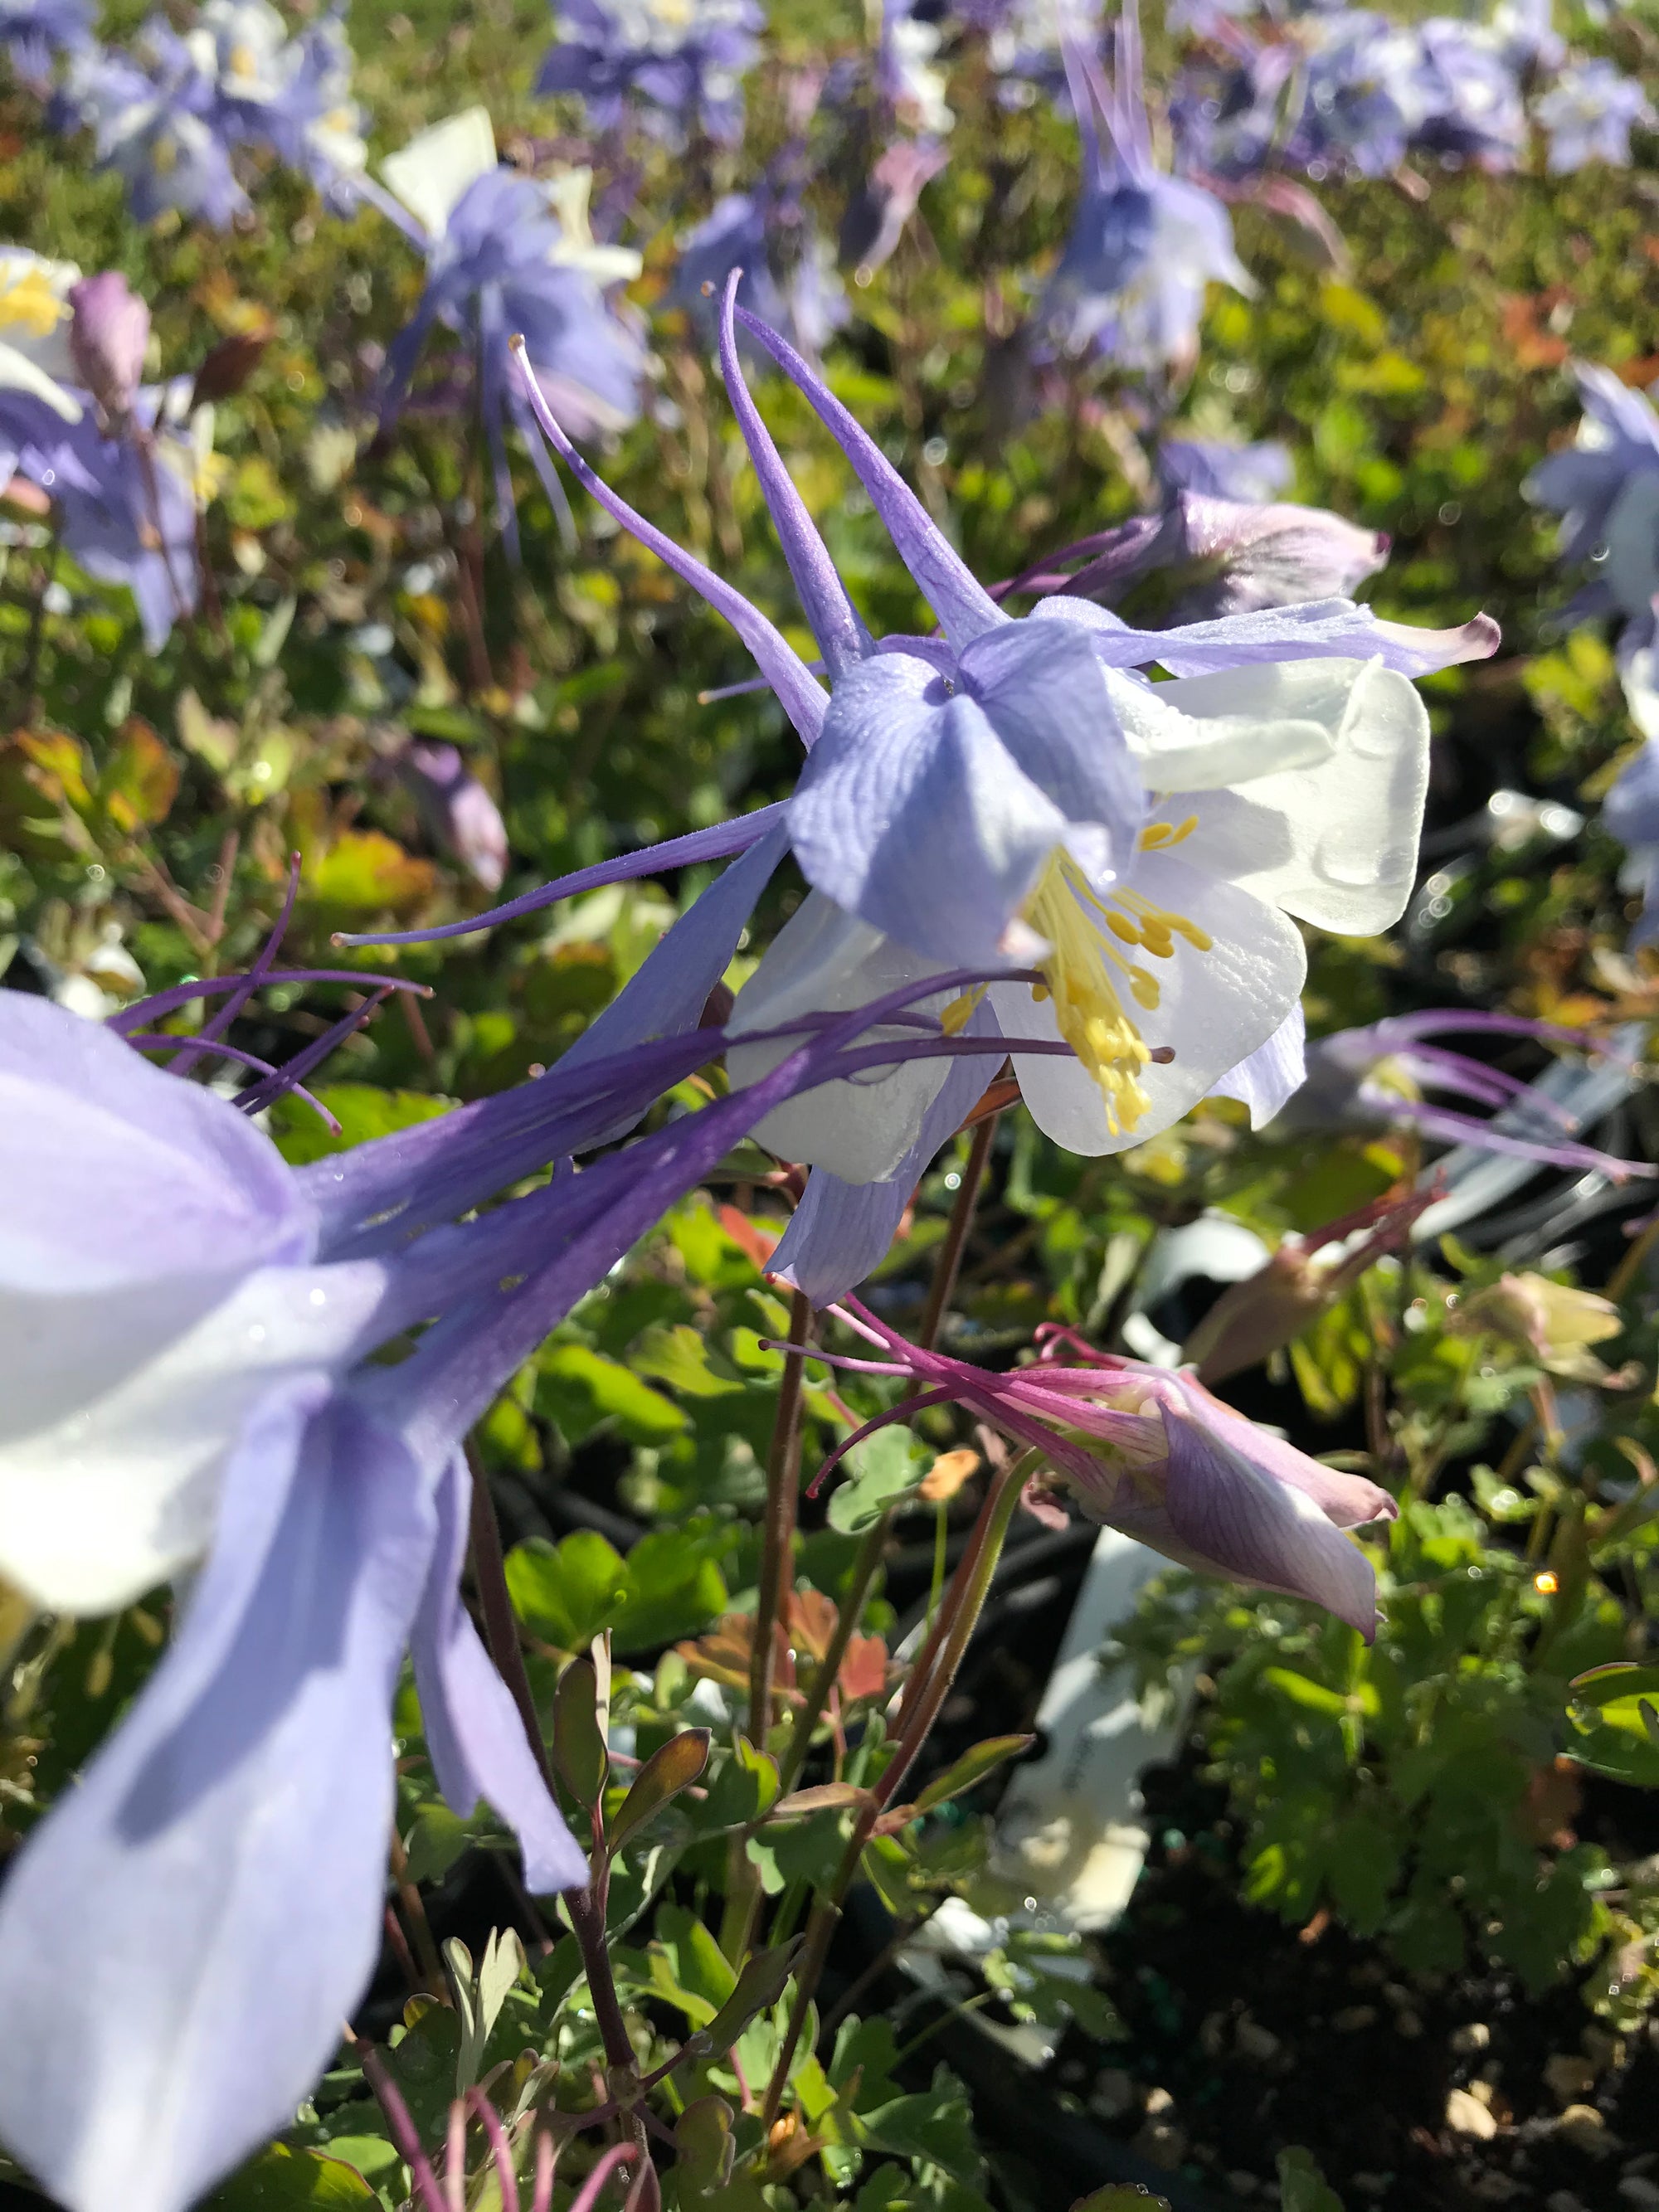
{"points": [[459, 812], [109, 334]]}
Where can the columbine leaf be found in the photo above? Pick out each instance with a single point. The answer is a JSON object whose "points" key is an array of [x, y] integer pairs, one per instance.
{"points": [[972, 1766], [579, 1749], [761, 1983], [668, 1770]]}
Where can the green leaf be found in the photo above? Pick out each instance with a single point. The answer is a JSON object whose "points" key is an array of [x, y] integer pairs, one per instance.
{"points": [[763, 1980], [822, 1797], [704, 2135], [1614, 1712], [579, 1751], [886, 1466], [674, 1585], [435, 1842], [935, 2124], [746, 1786], [684, 1360], [578, 1388], [362, 1113], [668, 1770], [1302, 2187], [567, 1592], [281, 2180], [972, 1766]]}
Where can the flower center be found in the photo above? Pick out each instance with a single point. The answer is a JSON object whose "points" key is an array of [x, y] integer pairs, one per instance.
{"points": [[1092, 968], [28, 298]]}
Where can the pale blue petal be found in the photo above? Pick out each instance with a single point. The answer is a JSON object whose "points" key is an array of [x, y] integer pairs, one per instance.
{"points": [[1272, 1072], [964, 608], [472, 1727], [182, 1938], [911, 815], [841, 1232], [834, 622], [1318, 628]]}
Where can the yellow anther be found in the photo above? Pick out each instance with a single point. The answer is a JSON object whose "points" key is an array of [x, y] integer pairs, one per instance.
{"points": [[1087, 976], [956, 1016], [29, 299]]}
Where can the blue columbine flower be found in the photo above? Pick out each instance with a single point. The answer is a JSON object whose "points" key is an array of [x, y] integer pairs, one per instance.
{"points": [[1013, 795], [1143, 246], [786, 267], [507, 255], [169, 116], [189, 1380], [1590, 113], [683, 62], [34, 34]]}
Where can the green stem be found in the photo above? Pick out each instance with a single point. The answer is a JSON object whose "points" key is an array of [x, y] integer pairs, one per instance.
{"points": [[917, 1713], [778, 1532]]}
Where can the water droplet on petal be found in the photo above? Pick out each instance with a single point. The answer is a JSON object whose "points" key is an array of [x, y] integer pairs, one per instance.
{"points": [[257, 1334], [320, 1297]]}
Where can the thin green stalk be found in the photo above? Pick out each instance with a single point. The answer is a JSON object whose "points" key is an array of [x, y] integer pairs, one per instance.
{"points": [[867, 1562], [917, 1714], [778, 1532]]}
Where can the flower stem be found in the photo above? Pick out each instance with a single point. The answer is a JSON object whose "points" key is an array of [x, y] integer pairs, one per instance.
{"points": [[399, 2124], [867, 1562], [925, 1693], [778, 1534]]}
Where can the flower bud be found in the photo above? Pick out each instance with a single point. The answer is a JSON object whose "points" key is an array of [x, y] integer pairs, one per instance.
{"points": [[1552, 1323], [109, 334], [459, 812]]}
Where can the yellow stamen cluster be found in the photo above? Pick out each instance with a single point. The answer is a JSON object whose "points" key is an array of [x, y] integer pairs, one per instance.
{"points": [[1085, 969], [28, 298]]}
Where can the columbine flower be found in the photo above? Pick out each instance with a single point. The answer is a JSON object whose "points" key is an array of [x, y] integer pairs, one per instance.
{"points": [[34, 32], [35, 360], [293, 95], [1153, 1453], [1381, 1076], [786, 266], [1010, 795], [1590, 112], [685, 60], [1144, 246], [1605, 489], [909, 85], [157, 121], [506, 255], [187, 1369], [458, 811], [1630, 810], [126, 496], [1227, 558]]}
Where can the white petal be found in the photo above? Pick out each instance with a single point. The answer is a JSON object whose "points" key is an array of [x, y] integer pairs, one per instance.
{"points": [[1215, 1008], [1335, 842], [18, 373], [1202, 731], [436, 166], [825, 961], [118, 1410]]}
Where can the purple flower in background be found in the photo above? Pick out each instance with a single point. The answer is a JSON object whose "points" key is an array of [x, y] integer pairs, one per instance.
{"points": [[508, 255], [1605, 487], [788, 274], [34, 33], [126, 499], [1467, 103], [1225, 557], [1630, 810], [1142, 247], [459, 812], [1590, 112], [1390, 1075], [910, 88], [156, 122], [1154, 1453], [683, 60], [1252, 474], [188, 1374], [169, 117]]}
